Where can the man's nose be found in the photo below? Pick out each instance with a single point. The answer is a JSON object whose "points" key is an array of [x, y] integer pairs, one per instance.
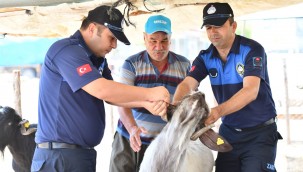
{"points": [[159, 46]]}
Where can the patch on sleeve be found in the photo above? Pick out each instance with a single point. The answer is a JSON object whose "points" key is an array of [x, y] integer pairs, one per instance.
{"points": [[84, 69], [257, 61], [192, 68]]}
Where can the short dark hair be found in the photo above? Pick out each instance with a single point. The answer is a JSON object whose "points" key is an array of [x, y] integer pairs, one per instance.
{"points": [[85, 23], [231, 20]]}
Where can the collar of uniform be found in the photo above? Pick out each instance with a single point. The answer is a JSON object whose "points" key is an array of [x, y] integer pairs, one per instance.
{"points": [[236, 45], [214, 52], [79, 36], [95, 60]]}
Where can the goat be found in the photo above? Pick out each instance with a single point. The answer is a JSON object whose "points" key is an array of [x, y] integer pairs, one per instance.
{"points": [[19, 137], [173, 150]]}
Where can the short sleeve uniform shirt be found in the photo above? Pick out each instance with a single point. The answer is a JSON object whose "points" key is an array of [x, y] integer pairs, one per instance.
{"points": [[246, 58], [66, 112]]}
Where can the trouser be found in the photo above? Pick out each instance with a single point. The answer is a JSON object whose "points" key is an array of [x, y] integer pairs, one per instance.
{"points": [[253, 150], [64, 160], [123, 158]]}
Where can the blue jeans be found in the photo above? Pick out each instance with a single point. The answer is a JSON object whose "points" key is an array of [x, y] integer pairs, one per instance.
{"points": [[252, 150], [64, 160]]}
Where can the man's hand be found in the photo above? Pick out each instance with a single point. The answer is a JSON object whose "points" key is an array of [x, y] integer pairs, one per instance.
{"points": [[213, 116], [159, 93], [134, 138], [157, 107]]}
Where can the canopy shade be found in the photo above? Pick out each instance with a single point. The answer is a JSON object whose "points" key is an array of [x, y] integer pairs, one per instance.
{"points": [[61, 18]]}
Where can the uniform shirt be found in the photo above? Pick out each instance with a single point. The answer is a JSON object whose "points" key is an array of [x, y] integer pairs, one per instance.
{"points": [[246, 58], [138, 70], [66, 112]]}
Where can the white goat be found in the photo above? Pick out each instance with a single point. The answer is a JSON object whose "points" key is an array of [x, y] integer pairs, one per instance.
{"points": [[172, 150]]}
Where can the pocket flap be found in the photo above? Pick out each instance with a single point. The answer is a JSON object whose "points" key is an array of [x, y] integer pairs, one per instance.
{"points": [[37, 165]]}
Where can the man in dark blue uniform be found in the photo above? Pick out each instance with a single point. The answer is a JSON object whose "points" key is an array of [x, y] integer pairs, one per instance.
{"points": [[237, 69], [75, 80]]}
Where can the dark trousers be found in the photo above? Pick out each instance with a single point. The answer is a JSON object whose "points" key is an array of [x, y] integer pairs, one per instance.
{"points": [[253, 150], [64, 160], [123, 158]]}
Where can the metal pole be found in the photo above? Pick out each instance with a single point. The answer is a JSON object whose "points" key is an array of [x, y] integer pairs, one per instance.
{"points": [[286, 102], [17, 92]]}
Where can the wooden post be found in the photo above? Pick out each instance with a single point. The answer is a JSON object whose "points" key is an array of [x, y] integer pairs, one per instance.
{"points": [[286, 102], [17, 92]]}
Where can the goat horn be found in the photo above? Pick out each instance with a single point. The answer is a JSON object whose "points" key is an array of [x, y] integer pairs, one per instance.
{"points": [[198, 133], [28, 132], [25, 128]]}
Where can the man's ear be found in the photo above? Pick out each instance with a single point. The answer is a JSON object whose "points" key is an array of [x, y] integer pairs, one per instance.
{"points": [[91, 27], [170, 111], [144, 36], [234, 25]]}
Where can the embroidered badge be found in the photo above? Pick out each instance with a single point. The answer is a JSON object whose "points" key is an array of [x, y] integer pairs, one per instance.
{"points": [[213, 72], [257, 61], [192, 68], [211, 10], [240, 69], [84, 69]]}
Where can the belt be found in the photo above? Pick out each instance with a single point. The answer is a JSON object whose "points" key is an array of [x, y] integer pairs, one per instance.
{"points": [[271, 121], [56, 145]]}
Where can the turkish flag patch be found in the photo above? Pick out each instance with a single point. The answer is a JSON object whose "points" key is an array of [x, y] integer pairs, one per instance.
{"points": [[192, 68], [84, 69], [257, 61]]}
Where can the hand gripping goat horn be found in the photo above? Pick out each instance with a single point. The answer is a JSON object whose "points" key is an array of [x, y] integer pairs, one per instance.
{"points": [[198, 133]]}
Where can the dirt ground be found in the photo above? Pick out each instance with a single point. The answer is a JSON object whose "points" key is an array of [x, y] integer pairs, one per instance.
{"points": [[289, 156]]}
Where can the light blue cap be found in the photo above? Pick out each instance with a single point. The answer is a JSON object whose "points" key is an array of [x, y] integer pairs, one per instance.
{"points": [[158, 23]]}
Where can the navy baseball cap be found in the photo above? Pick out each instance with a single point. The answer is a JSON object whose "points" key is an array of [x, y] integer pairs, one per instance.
{"points": [[216, 14], [112, 19], [158, 23]]}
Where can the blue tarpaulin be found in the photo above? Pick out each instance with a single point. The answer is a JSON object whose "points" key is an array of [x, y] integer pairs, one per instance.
{"points": [[14, 52]]}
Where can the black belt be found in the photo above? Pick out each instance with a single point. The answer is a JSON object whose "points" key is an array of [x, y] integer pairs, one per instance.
{"points": [[56, 145], [271, 121]]}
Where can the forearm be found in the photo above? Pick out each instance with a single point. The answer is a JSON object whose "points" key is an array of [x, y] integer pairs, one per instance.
{"points": [[120, 93], [236, 102], [185, 87], [156, 107], [243, 97], [134, 104], [116, 93], [127, 118], [239, 100]]}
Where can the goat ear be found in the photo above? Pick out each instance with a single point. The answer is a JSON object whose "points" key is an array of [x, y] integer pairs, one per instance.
{"points": [[215, 142], [170, 111]]}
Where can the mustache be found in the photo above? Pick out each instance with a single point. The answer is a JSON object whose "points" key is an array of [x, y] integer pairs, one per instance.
{"points": [[159, 51]]}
